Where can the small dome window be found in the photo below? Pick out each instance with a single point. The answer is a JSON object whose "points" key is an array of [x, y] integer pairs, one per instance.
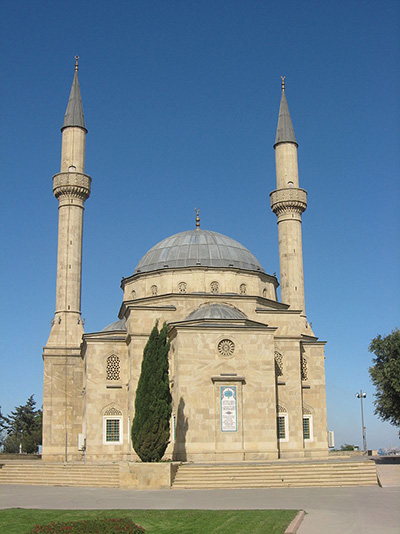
{"points": [[214, 287]]}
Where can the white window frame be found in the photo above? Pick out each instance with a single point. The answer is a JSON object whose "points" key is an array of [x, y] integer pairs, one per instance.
{"points": [[121, 427], [286, 418], [310, 424], [173, 428]]}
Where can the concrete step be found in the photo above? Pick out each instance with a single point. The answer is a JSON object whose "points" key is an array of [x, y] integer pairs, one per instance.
{"points": [[197, 476], [60, 474]]}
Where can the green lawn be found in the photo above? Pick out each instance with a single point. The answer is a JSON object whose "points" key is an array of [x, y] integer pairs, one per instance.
{"points": [[20, 521]]}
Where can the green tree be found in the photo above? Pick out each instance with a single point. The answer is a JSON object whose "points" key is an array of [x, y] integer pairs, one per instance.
{"points": [[23, 427], [150, 427], [347, 447], [385, 375], [3, 426]]}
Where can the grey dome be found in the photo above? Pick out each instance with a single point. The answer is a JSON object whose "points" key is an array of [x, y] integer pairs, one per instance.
{"points": [[117, 326], [198, 248], [215, 311]]}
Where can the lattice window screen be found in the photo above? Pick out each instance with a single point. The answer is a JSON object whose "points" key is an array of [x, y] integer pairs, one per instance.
{"points": [[304, 369], [113, 368], [278, 364]]}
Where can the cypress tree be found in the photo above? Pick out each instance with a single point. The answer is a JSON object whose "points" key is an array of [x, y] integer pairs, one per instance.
{"points": [[150, 427]]}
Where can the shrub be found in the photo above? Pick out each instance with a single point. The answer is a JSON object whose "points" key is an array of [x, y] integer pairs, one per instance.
{"points": [[107, 525]]}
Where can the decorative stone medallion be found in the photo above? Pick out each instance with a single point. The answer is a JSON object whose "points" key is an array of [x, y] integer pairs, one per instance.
{"points": [[243, 289], [214, 287], [182, 287], [154, 290], [226, 347]]}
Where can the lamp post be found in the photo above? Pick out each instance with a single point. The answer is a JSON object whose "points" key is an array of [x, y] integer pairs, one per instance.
{"points": [[362, 396]]}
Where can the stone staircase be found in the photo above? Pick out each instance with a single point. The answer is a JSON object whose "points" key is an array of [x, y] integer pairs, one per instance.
{"points": [[52, 474], [200, 476], [275, 475]]}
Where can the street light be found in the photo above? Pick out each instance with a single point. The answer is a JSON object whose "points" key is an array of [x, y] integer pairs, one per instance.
{"points": [[362, 396]]}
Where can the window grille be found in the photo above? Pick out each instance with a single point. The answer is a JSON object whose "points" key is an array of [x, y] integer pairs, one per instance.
{"points": [[113, 368], [306, 428], [214, 287], [281, 427], [182, 287], [278, 364], [304, 369], [112, 430]]}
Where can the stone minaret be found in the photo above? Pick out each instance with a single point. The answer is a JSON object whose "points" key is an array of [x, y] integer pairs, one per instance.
{"points": [[288, 202], [62, 357]]}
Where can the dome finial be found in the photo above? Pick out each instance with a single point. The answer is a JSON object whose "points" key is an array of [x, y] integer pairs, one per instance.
{"points": [[76, 63], [283, 82], [197, 217]]}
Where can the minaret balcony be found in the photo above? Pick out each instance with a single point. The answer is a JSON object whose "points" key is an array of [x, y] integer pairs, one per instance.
{"points": [[71, 184], [288, 199]]}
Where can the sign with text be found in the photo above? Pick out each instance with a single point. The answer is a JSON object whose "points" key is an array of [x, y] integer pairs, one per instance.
{"points": [[228, 409]]}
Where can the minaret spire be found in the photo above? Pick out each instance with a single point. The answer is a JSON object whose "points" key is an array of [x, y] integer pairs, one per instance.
{"points": [[74, 113], [284, 131], [288, 202]]}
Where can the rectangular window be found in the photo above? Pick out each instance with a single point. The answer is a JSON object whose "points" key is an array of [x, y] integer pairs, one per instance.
{"points": [[173, 432], [112, 430], [281, 427], [307, 428]]}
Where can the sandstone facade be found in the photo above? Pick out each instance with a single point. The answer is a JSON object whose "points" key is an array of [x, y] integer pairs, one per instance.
{"points": [[246, 371]]}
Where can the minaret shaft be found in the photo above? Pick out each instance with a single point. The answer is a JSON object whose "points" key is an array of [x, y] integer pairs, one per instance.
{"points": [[69, 256], [291, 262], [287, 171], [288, 202], [73, 149]]}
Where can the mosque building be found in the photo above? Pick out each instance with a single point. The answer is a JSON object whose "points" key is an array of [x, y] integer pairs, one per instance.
{"points": [[246, 371]]}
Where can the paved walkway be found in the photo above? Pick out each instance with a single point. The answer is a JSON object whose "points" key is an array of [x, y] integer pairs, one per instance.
{"points": [[370, 510]]}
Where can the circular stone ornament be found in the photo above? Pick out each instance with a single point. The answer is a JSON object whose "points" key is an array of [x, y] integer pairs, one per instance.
{"points": [[226, 347], [182, 287]]}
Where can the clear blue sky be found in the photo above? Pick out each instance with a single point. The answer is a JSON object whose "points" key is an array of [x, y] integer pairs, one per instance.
{"points": [[181, 102]]}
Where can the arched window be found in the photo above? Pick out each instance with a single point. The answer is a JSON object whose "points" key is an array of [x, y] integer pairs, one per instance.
{"points": [[113, 368], [182, 287], [214, 287]]}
